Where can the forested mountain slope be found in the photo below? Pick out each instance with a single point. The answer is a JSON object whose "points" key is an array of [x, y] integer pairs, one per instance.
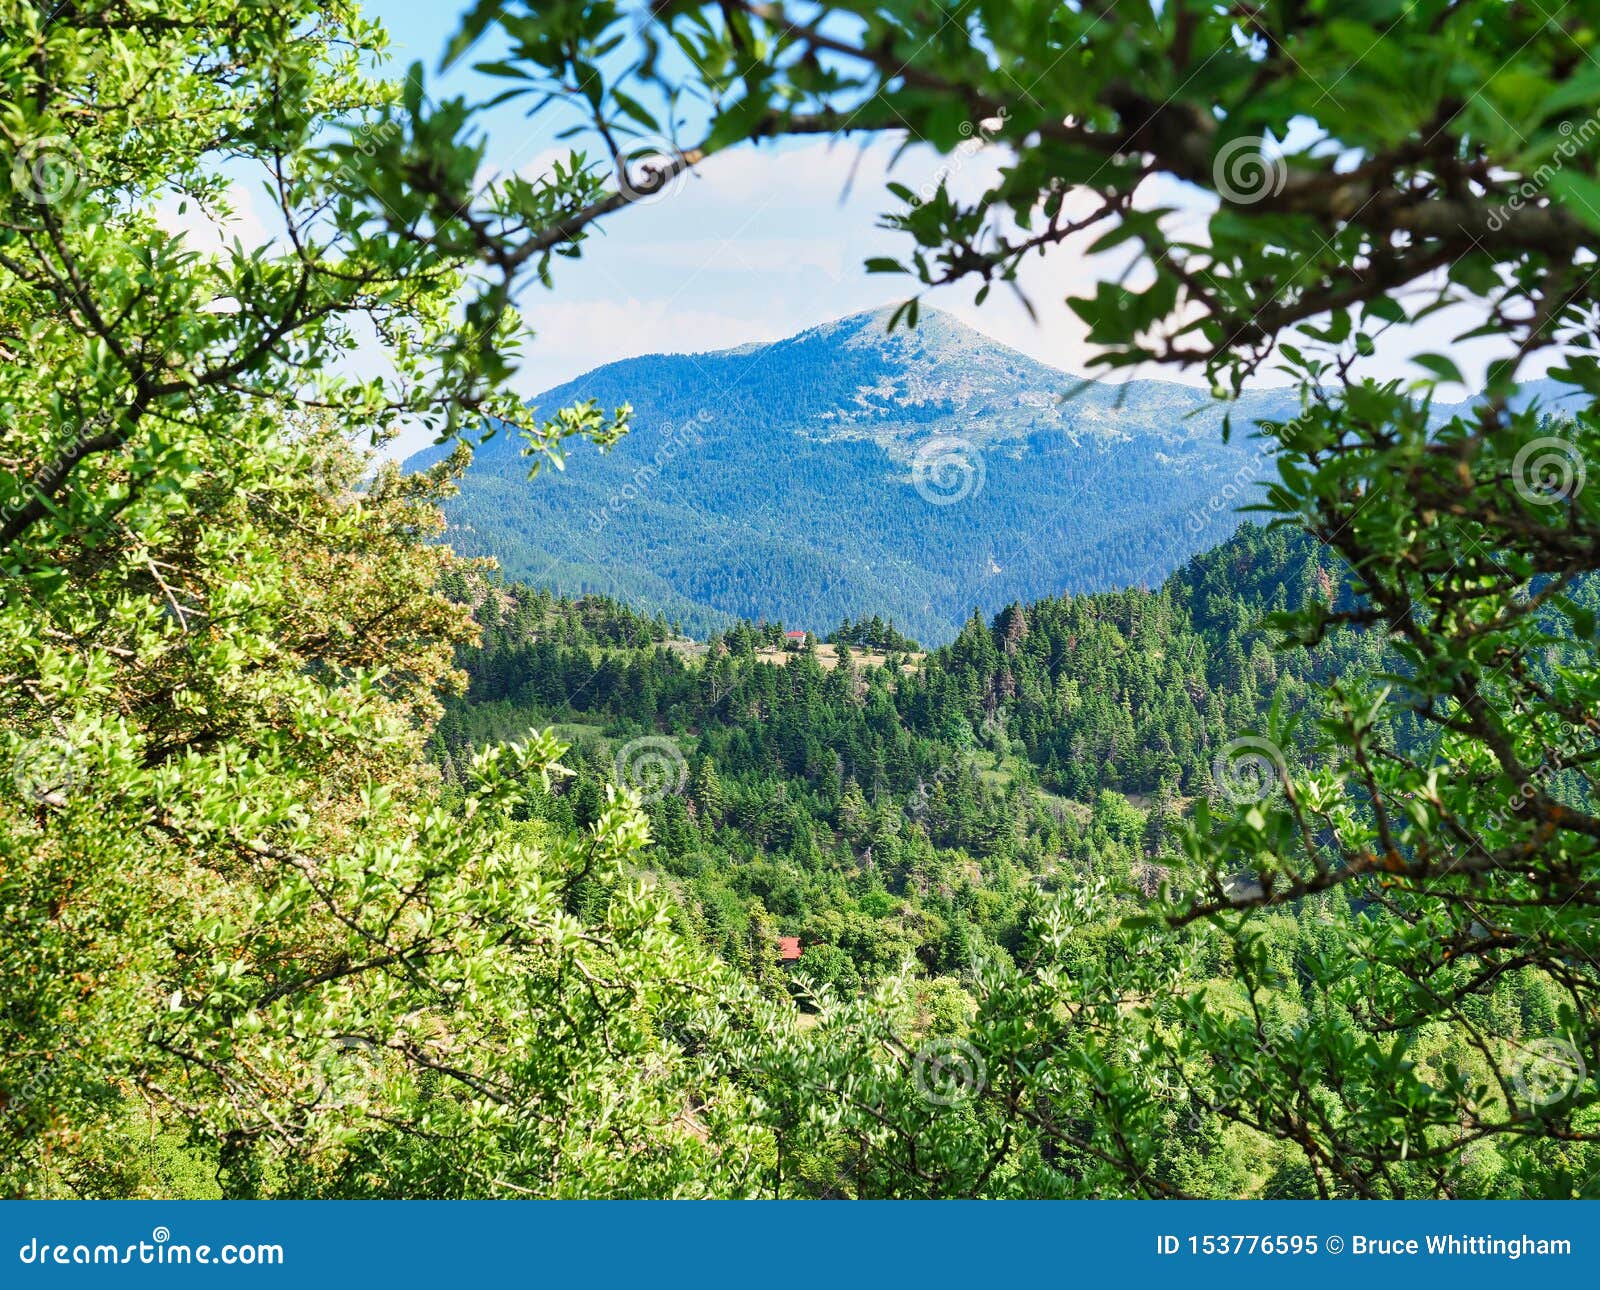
{"points": [[1054, 742], [917, 818], [1075, 730], [850, 471]]}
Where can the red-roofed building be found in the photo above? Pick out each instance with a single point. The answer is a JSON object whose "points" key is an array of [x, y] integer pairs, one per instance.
{"points": [[788, 949], [798, 637]]}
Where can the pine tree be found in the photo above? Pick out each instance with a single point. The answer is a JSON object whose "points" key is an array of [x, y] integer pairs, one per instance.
{"points": [[708, 795]]}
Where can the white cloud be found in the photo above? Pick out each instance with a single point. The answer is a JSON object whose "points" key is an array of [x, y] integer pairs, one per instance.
{"points": [[762, 242], [211, 233], [820, 173], [575, 336], [540, 165], [827, 256]]}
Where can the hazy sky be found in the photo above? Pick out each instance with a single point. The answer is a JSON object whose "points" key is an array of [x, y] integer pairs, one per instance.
{"points": [[762, 243]]}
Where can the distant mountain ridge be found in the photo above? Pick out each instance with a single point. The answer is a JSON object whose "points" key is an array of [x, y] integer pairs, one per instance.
{"points": [[847, 471]]}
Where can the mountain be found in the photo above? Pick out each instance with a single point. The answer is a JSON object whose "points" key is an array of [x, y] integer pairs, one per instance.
{"points": [[847, 471]]}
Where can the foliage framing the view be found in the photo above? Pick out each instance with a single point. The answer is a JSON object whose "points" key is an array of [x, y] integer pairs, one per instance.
{"points": [[1353, 153], [244, 937]]}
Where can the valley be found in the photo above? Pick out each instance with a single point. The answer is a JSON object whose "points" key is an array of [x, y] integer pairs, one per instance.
{"points": [[903, 820]]}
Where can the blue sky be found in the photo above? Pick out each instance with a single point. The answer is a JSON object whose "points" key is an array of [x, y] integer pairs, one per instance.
{"points": [[764, 242], [757, 245]]}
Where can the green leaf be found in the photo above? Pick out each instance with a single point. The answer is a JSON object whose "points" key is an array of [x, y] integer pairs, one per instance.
{"points": [[1440, 366], [1579, 194]]}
